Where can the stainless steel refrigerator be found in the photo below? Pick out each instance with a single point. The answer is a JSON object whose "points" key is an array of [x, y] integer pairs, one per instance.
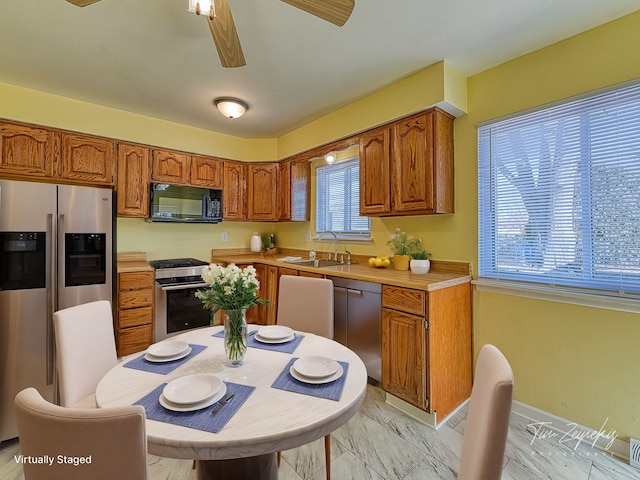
{"points": [[56, 251]]}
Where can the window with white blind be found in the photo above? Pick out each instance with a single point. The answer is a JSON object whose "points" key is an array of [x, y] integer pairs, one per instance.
{"points": [[559, 196], [338, 200]]}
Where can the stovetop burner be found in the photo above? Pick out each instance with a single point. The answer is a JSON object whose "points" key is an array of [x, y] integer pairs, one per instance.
{"points": [[177, 263]]}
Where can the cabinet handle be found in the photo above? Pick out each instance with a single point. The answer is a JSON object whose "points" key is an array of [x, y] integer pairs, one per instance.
{"points": [[351, 291]]}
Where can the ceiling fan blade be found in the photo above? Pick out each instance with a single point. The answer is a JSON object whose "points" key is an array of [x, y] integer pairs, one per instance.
{"points": [[225, 36], [82, 3], [334, 11]]}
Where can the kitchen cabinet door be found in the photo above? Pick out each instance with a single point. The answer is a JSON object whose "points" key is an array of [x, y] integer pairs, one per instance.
{"points": [[171, 167], [233, 190], [273, 284], [27, 150], [300, 190], [404, 368], [283, 197], [422, 164], [262, 189], [375, 185], [134, 168], [206, 172], [88, 159], [262, 314], [412, 165]]}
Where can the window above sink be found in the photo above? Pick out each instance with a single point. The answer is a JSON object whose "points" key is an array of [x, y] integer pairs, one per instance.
{"points": [[338, 198]]}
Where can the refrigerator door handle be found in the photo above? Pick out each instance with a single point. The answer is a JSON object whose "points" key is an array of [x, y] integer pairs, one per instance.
{"points": [[51, 295]]}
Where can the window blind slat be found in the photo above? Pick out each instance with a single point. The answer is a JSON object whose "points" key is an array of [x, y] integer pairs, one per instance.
{"points": [[338, 199]]}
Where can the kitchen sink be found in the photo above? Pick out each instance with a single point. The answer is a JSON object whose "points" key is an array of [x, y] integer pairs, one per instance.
{"points": [[316, 263]]}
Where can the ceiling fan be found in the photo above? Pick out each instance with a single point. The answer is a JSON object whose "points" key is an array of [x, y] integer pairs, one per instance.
{"points": [[223, 28]]}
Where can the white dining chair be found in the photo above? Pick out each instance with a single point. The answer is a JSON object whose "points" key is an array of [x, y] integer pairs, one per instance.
{"points": [[85, 351], [111, 441], [306, 304], [487, 424]]}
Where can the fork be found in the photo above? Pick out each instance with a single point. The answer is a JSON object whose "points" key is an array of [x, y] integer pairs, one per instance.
{"points": [[222, 403]]}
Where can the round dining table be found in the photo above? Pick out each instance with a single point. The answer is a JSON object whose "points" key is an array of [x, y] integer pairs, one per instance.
{"points": [[270, 419]]}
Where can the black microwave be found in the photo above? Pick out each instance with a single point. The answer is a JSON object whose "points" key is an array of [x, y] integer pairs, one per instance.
{"points": [[184, 204]]}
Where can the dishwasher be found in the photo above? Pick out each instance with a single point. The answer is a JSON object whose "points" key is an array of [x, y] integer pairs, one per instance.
{"points": [[358, 321]]}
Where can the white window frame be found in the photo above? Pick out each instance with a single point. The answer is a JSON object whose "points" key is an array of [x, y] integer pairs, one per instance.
{"points": [[570, 133], [322, 223]]}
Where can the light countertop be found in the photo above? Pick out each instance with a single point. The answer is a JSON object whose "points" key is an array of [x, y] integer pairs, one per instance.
{"points": [[434, 280]]}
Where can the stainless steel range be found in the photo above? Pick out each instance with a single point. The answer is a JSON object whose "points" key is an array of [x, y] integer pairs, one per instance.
{"points": [[177, 308]]}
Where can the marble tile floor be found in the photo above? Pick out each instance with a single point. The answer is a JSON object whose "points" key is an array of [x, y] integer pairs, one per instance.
{"points": [[381, 443]]}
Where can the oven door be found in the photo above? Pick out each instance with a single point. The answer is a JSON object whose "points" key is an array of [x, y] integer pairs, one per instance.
{"points": [[178, 309]]}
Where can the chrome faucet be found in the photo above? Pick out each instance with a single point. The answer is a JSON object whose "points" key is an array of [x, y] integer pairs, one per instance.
{"points": [[335, 243]]}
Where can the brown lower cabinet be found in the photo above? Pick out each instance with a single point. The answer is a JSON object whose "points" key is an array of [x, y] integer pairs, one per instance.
{"points": [[269, 278], [426, 346], [134, 316]]}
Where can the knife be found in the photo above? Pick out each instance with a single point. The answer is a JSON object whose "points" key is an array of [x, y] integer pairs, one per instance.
{"points": [[222, 403]]}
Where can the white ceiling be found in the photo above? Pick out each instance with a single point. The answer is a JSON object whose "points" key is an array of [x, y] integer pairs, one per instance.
{"points": [[154, 58]]}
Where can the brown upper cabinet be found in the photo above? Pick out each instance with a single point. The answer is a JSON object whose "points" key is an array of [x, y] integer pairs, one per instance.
{"points": [[234, 191], [134, 172], [170, 166], [88, 159], [206, 172], [262, 191], [28, 150], [300, 193], [375, 175], [406, 167], [283, 199]]}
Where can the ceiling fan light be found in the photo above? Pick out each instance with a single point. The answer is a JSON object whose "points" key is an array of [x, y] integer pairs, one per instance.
{"points": [[231, 107], [197, 6]]}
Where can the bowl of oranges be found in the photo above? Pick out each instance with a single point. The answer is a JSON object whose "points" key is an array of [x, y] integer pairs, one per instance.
{"points": [[379, 262]]}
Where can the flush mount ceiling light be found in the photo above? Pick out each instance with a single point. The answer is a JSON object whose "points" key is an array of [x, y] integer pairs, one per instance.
{"points": [[330, 158], [231, 107]]}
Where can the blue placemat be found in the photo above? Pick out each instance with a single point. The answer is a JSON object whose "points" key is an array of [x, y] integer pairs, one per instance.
{"points": [[200, 419], [139, 363], [287, 347], [331, 390]]}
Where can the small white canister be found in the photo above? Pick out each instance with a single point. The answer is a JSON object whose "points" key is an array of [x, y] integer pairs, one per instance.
{"points": [[256, 242]]}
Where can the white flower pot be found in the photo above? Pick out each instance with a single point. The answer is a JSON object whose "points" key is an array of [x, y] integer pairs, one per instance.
{"points": [[420, 267]]}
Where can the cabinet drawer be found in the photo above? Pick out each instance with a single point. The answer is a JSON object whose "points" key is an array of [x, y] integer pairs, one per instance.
{"points": [[404, 299], [135, 280], [136, 339], [135, 298], [135, 317], [287, 271]]}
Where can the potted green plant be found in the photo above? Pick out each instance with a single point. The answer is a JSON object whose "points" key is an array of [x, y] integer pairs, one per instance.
{"points": [[402, 244], [420, 263]]}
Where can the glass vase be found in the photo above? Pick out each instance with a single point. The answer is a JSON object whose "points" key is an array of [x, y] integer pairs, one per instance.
{"points": [[235, 336]]}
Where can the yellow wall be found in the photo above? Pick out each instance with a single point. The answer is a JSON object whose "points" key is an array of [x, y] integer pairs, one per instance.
{"points": [[576, 362], [41, 108]]}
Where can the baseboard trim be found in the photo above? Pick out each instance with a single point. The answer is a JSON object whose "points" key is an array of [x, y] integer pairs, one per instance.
{"points": [[605, 439], [429, 419]]}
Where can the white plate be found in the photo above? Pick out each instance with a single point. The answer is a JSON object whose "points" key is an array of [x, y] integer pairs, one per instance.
{"points": [[316, 381], [191, 408], [192, 389], [315, 366], [279, 340], [151, 358], [275, 332], [168, 348]]}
